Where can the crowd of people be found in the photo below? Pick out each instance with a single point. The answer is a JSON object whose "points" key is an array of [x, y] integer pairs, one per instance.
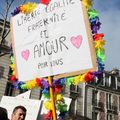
{"points": [[19, 113]]}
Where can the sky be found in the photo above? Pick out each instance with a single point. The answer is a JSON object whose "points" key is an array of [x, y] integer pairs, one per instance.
{"points": [[109, 14], [109, 11]]}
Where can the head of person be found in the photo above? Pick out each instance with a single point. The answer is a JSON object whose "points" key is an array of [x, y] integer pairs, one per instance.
{"points": [[3, 114], [19, 113]]}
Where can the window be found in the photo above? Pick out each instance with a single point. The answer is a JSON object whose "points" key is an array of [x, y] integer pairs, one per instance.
{"points": [[113, 82], [0, 31], [118, 83], [108, 101], [2, 69], [9, 89], [95, 97], [107, 81], [109, 117], [73, 95], [75, 91], [95, 115], [103, 80], [119, 103]]}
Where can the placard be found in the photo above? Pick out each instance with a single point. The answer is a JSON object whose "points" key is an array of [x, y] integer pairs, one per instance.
{"points": [[32, 106], [25, 95], [53, 40]]}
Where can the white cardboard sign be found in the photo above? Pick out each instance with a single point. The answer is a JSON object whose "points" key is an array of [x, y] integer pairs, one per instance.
{"points": [[52, 40], [25, 95], [32, 106]]}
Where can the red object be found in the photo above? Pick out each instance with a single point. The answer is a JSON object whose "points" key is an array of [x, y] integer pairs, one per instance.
{"points": [[58, 89], [38, 81], [46, 2], [98, 36], [13, 78], [49, 115], [89, 77]]}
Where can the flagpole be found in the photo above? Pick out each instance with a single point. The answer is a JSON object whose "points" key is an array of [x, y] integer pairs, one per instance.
{"points": [[52, 98]]}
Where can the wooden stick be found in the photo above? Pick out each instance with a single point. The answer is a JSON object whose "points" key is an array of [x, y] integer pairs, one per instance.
{"points": [[52, 99]]}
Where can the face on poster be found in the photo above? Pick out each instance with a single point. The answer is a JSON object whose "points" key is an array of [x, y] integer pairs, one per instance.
{"points": [[51, 40]]}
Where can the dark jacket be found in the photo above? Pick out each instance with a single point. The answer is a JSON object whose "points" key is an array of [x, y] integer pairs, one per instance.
{"points": [[3, 114]]}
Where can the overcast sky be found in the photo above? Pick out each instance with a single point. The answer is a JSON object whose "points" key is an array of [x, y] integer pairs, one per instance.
{"points": [[109, 13]]}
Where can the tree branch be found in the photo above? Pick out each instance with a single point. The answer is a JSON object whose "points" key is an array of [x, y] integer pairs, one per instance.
{"points": [[6, 35], [2, 15], [4, 54]]}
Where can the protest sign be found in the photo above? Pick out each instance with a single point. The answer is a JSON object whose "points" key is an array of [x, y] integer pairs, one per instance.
{"points": [[25, 95], [32, 106], [52, 40], [42, 109]]}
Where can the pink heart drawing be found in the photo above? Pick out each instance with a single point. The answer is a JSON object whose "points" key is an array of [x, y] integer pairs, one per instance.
{"points": [[25, 54], [76, 41]]}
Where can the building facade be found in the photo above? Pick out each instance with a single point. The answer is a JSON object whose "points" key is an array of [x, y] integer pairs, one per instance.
{"points": [[99, 100], [4, 58]]}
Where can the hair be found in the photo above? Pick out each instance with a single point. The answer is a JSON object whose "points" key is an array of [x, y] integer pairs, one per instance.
{"points": [[3, 114], [19, 107]]}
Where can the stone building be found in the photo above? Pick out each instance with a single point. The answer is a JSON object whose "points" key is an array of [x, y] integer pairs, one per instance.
{"points": [[99, 100], [4, 58]]}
